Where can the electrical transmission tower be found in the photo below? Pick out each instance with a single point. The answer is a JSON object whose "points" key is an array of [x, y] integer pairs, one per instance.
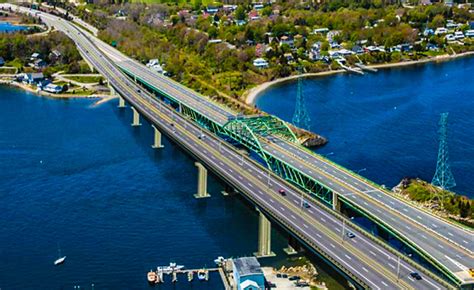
{"points": [[443, 176], [300, 117]]}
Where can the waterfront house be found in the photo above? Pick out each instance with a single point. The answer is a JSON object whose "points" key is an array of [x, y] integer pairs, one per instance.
{"points": [[34, 56], [2, 61], [323, 30], [458, 35], [450, 37], [52, 88], [248, 274], [260, 63], [33, 78]]}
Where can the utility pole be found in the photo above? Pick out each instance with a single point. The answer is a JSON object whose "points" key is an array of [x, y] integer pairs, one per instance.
{"points": [[443, 176], [301, 117]]}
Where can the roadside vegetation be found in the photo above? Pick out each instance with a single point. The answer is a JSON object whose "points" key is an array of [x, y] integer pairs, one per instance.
{"points": [[449, 204], [16, 49], [211, 47]]}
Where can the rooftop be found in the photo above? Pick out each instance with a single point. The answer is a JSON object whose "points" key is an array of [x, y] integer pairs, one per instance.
{"points": [[247, 266]]}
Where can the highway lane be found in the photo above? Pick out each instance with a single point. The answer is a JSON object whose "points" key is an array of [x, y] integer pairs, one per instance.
{"points": [[464, 238], [250, 165], [455, 259], [403, 217]]}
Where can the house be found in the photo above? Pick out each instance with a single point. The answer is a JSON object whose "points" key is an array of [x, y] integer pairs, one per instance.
{"points": [[432, 47], [357, 49], [458, 35], [323, 30], [289, 57], [38, 64], [441, 30], [52, 88], [258, 6], [212, 9], [470, 33], [260, 63], [428, 32], [287, 40], [55, 55], [450, 37], [33, 78], [248, 274], [34, 56], [2, 61]]}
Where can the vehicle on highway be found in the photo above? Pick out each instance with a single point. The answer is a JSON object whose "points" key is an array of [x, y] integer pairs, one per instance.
{"points": [[415, 275], [350, 235], [282, 192], [306, 204], [202, 136]]}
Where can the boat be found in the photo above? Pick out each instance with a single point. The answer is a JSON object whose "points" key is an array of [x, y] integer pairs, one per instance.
{"points": [[219, 261], [172, 268], [60, 259], [151, 276], [202, 275]]}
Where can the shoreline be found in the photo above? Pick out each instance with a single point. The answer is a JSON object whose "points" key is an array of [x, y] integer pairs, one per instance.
{"points": [[100, 98], [251, 95]]}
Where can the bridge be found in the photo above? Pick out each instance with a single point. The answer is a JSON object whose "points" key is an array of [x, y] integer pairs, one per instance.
{"points": [[281, 163]]}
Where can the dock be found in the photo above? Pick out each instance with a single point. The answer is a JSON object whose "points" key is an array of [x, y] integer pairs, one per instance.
{"points": [[364, 67], [202, 274], [350, 69]]}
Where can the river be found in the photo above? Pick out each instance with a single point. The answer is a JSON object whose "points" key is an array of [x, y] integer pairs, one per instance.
{"points": [[384, 125], [80, 177]]}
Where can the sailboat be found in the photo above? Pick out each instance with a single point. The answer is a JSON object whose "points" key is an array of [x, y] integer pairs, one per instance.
{"points": [[60, 259]]}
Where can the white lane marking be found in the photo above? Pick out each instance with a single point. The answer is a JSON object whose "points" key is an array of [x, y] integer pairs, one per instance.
{"points": [[374, 254], [272, 201], [384, 283], [332, 245], [306, 226], [282, 209], [249, 184], [392, 266], [293, 217], [365, 269], [348, 257]]}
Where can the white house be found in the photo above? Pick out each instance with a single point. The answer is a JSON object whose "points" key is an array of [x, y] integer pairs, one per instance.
{"points": [[260, 63], [470, 33], [441, 30], [52, 88]]}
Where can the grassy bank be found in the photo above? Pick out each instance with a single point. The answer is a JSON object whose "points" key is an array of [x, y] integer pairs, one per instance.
{"points": [[445, 203]]}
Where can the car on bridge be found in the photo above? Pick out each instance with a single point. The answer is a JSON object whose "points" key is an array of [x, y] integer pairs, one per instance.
{"points": [[282, 192], [350, 235], [415, 275]]}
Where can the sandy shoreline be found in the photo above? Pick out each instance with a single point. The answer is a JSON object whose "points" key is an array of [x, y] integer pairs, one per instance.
{"points": [[101, 98], [252, 94]]}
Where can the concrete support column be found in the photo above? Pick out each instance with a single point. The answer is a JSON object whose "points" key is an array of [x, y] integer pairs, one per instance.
{"points": [[157, 140], [136, 118], [264, 237], [294, 246], [202, 181], [336, 204], [121, 102]]}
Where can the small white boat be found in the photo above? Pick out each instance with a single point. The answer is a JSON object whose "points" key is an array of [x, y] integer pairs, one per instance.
{"points": [[203, 275], [219, 261], [59, 261]]}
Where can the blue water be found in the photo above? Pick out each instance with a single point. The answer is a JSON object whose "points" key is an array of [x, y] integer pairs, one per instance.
{"points": [[8, 27], [80, 176], [385, 124]]}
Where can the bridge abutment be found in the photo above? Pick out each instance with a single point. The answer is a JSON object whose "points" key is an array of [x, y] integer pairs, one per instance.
{"points": [[136, 118], [202, 181], [121, 102], [264, 237], [157, 139]]}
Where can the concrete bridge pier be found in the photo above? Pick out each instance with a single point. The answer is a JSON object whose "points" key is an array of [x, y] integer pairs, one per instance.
{"points": [[157, 140], [264, 237], [294, 246], [136, 118], [336, 203], [121, 102], [202, 181]]}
